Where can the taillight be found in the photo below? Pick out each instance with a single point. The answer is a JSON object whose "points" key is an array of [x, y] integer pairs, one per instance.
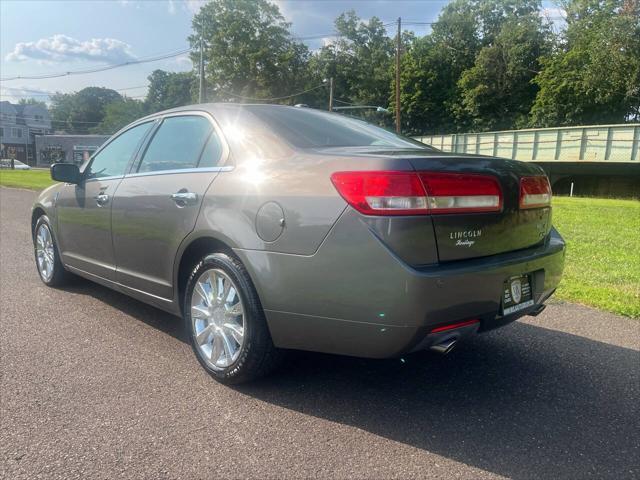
{"points": [[412, 193], [453, 192], [535, 192], [382, 193]]}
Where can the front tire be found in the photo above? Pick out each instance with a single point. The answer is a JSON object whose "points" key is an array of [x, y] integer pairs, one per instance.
{"points": [[225, 321], [48, 262]]}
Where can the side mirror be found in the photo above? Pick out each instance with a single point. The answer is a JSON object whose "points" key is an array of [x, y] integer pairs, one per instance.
{"points": [[65, 172]]}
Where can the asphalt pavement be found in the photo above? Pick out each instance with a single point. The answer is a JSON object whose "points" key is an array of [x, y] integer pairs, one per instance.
{"points": [[97, 385]]}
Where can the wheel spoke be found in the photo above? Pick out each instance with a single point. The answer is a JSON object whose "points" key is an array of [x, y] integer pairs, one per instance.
{"points": [[231, 295], [203, 293], [235, 310], [199, 312], [213, 278], [217, 350], [236, 331], [229, 348], [202, 338], [225, 291]]}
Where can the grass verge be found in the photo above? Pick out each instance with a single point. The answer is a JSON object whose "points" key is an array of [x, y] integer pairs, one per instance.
{"points": [[602, 267], [31, 179]]}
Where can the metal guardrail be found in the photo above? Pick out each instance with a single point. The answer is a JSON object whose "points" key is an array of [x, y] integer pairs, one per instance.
{"points": [[598, 143]]}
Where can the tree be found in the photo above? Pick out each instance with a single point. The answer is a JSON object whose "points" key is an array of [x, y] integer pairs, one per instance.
{"points": [[79, 112], [431, 68], [360, 61], [31, 101], [119, 114], [169, 90], [479, 41], [248, 50], [594, 77], [498, 91]]}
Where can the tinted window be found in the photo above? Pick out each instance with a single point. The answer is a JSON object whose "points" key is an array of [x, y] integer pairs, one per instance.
{"points": [[177, 144], [308, 128], [212, 152], [114, 158]]}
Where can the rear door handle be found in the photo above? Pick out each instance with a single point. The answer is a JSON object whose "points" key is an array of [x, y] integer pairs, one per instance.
{"points": [[183, 198], [101, 199]]}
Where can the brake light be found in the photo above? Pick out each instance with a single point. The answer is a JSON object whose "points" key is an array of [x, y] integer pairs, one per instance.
{"points": [[412, 193], [535, 192], [382, 193], [453, 192]]}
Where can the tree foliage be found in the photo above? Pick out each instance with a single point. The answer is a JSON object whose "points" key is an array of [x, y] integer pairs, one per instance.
{"points": [[169, 90], [248, 50], [594, 76], [119, 114], [81, 111]]}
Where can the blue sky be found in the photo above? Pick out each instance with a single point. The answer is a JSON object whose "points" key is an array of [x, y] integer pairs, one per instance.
{"points": [[39, 37]]}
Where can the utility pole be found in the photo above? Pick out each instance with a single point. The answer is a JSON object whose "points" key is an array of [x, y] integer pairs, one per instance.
{"points": [[398, 47], [331, 94], [201, 71]]}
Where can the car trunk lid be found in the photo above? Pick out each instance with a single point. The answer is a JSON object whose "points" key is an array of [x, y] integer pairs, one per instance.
{"points": [[468, 235]]}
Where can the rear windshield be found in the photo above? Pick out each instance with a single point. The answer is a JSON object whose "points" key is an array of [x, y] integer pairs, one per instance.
{"points": [[309, 128]]}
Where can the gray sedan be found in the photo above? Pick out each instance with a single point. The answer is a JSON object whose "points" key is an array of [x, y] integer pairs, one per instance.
{"points": [[270, 228]]}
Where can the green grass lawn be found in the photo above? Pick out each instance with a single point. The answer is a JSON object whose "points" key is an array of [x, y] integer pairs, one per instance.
{"points": [[602, 267], [31, 179]]}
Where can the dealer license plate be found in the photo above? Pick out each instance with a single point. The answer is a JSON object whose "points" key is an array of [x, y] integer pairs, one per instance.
{"points": [[516, 294]]}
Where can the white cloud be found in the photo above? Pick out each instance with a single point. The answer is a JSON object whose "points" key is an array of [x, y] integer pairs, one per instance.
{"points": [[194, 6], [172, 7], [15, 94], [61, 48]]}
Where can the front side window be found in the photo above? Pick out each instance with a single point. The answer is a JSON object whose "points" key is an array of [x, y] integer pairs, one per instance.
{"points": [[178, 144], [112, 160], [16, 132]]}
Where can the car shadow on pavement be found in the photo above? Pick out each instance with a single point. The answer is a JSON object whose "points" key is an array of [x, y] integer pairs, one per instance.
{"points": [[522, 402], [154, 317]]}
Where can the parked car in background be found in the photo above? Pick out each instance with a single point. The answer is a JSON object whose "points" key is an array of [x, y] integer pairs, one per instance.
{"points": [[270, 227], [17, 164]]}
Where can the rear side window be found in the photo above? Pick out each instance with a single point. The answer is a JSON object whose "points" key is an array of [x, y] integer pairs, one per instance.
{"points": [[212, 152], [113, 159], [177, 144]]}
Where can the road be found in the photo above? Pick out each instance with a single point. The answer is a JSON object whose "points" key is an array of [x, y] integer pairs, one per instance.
{"points": [[97, 385]]}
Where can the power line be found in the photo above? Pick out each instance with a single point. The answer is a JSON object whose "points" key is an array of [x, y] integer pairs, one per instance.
{"points": [[99, 69], [43, 93], [242, 97]]}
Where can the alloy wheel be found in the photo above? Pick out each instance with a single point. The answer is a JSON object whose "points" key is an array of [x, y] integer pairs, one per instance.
{"points": [[45, 252], [217, 317]]}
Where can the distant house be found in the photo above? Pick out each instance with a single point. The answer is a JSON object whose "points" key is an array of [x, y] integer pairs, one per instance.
{"points": [[66, 148], [19, 127]]}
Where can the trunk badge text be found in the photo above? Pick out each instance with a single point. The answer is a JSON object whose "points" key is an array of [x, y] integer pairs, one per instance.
{"points": [[464, 238]]}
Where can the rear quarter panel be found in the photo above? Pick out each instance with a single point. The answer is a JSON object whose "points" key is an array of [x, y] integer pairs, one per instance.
{"points": [[298, 183]]}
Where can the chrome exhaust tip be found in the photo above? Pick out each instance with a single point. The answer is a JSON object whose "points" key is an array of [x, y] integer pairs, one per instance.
{"points": [[444, 347]]}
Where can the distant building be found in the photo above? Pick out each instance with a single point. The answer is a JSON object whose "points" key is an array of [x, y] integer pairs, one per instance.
{"points": [[66, 148], [19, 127]]}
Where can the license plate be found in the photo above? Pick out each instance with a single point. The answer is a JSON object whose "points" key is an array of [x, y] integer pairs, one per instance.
{"points": [[516, 294]]}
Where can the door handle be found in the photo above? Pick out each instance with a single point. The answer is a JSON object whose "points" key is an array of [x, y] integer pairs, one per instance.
{"points": [[183, 198], [101, 199]]}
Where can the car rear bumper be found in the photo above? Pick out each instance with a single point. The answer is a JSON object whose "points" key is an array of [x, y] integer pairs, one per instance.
{"points": [[355, 297]]}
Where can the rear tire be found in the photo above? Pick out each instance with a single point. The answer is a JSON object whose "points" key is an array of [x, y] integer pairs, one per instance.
{"points": [[48, 263], [225, 322]]}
